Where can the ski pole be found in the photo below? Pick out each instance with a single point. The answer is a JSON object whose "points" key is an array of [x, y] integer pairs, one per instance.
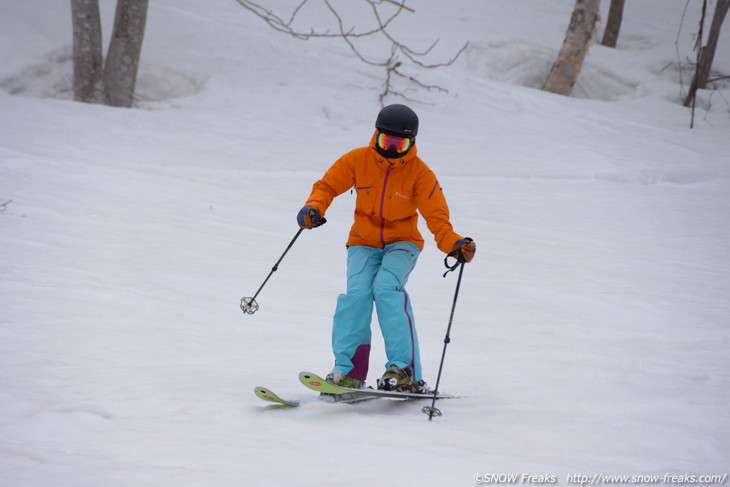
{"points": [[432, 410], [249, 305]]}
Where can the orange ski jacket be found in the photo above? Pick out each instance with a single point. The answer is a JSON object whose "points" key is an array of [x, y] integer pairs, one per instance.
{"points": [[390, 194]]}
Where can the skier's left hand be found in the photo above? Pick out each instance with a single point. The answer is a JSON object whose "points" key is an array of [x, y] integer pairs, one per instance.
{"points": [[467, 248]]}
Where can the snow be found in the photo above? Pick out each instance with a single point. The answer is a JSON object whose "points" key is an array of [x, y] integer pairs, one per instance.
{"points": [[591, 334]]}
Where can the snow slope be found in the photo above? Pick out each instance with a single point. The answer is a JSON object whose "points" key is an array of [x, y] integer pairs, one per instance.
{"points": [[591, 335]]}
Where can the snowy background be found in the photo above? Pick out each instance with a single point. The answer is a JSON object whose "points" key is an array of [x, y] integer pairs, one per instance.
{"points": [[593, 327]]}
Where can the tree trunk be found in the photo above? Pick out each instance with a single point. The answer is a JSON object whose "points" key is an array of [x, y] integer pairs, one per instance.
{"points": [[122, 63], [613, 25], [566, 69], [87, 57], [707, 53]]}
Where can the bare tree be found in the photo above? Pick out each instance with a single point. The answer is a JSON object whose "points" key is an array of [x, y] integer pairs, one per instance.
{"points": [[566, 68], [613, 24], [392, 62], [122, 62], [87, 51], [706, 54], [113, 84]]}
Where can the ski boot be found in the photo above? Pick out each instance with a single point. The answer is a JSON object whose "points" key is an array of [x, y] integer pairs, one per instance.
{"points": [[338, 378], [397, 379]]}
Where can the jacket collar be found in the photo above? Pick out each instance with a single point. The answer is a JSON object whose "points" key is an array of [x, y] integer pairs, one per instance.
{"points": [[395, 162]]}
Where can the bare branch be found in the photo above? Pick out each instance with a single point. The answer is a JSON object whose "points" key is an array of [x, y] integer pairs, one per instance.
{"points": [[346, 38], [277, 23], [417, 82], [400, 5], [439, 65], [718, 79], [349, 35]]}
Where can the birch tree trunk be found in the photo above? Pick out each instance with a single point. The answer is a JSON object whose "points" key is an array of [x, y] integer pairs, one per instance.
{"points": [[87, 57], [613, 25], [567, 67], [122, 62], [707, 53]]}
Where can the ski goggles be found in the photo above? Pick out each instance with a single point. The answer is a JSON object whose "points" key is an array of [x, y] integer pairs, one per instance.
{"points": [[399, 144]]}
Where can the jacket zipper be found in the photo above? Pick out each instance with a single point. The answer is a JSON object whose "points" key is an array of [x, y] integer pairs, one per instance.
{"points": [[382, 205]]}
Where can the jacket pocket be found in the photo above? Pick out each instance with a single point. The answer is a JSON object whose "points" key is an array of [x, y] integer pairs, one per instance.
{"points": [[366, 202]]}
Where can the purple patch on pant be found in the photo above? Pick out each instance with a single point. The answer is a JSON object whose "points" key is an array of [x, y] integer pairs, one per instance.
{"points": [[360, 362]]}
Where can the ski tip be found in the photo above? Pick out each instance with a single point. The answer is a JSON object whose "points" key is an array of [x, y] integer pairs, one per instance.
{"points": [[311, 379], [268, 395], [264, 393]]}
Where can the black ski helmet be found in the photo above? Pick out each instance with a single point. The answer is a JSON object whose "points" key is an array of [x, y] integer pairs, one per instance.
{"points": [[397, 120]]}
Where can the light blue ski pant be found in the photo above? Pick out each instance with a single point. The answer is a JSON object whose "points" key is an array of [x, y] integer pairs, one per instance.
{"points": [[376, 276]]}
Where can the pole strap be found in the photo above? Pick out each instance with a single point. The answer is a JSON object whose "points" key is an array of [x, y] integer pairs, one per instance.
{"points": [[459, 260]]}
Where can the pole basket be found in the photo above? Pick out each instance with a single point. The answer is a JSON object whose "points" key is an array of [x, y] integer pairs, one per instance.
{"points": [[249, 305], [431, 411]]}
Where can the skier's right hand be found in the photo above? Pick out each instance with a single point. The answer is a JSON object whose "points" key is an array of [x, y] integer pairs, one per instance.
{"points": [[309, 217]]}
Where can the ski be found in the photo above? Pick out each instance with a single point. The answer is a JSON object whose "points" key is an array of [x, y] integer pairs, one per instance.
{"points": [[270, 396], [346, 394], [336, 394]]}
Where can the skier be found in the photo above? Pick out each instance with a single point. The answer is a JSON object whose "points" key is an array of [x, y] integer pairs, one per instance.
{"points": [[392, 185]]}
